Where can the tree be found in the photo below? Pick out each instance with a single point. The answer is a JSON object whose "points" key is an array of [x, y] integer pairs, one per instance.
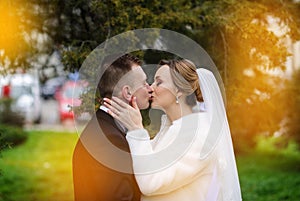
{"points": [[77, 27], [247, 40], [15, 25], [240, 36], [293, 106]]}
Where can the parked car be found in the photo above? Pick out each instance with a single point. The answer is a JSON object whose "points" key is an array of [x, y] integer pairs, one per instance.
{"points": [[68, 97], [24, 90], [51, 86]]}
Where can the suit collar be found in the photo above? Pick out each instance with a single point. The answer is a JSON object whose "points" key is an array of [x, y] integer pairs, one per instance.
{"points": [[103, 115]]}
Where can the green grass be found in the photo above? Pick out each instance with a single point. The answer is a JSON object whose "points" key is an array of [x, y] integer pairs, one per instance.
{"points": [[40, 170], [269, 177]]}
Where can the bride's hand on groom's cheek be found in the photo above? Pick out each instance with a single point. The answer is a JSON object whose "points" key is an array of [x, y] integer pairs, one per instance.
{"points": [[129, 116]]}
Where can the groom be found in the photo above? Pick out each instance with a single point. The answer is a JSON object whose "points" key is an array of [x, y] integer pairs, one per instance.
{"points": [[93, 179]]}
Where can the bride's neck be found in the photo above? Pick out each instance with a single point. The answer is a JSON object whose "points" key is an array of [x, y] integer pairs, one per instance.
{"points": [[177, 111]]}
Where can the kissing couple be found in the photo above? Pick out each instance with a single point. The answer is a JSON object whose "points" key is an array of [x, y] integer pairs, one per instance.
{"points": [[191, 158]]}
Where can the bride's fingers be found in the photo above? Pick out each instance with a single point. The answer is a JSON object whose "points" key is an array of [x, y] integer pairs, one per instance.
{"points": [[119, 102], [112, 109], [134, 104], [110, 103], [114, 115], [107, 101]]}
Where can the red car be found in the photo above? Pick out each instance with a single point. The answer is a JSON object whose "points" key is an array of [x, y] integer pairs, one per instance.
{"points": [[69, 96]]}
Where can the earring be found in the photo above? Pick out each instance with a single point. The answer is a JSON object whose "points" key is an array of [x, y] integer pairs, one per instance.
{"points": [[177, 101]]}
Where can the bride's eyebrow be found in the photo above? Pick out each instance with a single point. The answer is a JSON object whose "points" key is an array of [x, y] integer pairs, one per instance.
{"points": [[157, 77]]}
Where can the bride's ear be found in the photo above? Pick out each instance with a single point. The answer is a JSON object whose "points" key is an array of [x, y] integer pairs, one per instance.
{"points": [[178, 93], [126, 93]]}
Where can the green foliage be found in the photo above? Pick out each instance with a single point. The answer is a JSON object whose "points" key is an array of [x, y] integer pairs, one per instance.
{"points": [[11, 136], [294, 106], [3, 145], [279, 145], [75, 28], [9, 117], [16, 25], [246, 49], [11, 123]]}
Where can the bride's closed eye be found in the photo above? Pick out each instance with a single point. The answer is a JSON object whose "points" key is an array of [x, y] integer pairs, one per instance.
{"points": [[158, 82]]}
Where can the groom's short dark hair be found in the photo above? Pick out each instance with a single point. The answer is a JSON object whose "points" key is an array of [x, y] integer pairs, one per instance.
{"points": [[115, 70]]}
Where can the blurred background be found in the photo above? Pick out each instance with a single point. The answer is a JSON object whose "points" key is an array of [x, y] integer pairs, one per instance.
{"points": [[43, 43]]}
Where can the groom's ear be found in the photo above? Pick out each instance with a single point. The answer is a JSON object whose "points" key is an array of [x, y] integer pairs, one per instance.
{"points": [[126, 93]]}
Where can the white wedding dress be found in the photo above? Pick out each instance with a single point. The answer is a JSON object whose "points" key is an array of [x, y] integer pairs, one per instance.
{"points": [[190, 159]]}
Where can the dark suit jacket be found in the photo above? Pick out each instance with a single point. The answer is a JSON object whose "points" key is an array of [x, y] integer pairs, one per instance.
{"points": [[95, 180]]}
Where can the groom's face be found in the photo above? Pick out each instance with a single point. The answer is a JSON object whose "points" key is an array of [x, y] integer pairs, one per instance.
{"points": [[141, 89], [134, 84]]}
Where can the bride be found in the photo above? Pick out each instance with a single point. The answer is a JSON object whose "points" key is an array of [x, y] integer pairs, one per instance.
{"points": [[191, 157]]}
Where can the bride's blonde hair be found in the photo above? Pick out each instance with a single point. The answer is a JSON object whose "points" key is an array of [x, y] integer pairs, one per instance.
{"points": [[185, 78]]}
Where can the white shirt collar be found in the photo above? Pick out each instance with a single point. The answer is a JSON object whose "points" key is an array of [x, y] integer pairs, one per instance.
{"points": [[102, 107]]}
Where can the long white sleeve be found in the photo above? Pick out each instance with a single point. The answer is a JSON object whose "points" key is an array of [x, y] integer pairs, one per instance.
{"points": [[178, 173]]}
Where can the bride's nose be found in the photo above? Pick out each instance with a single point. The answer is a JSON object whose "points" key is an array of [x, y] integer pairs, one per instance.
{"points": [[152, 86]]}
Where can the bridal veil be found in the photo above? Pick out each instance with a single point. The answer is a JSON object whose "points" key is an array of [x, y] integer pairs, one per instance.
{"points": [[218, 141]]}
